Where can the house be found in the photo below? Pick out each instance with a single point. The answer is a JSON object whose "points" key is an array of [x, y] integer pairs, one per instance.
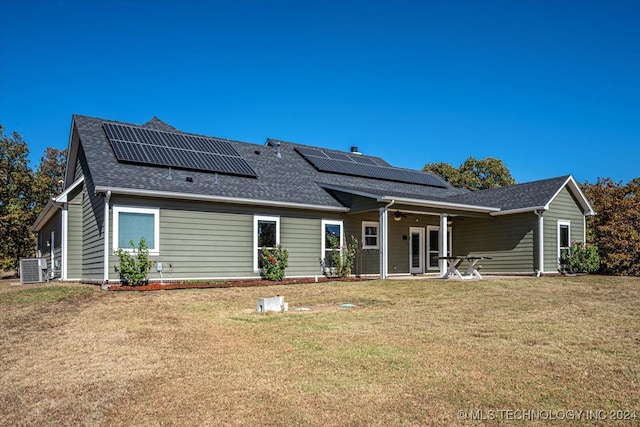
{"points": [[207, 205]]}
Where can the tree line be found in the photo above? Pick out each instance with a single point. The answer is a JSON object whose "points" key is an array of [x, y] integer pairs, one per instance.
{"points": [[24, 192]]}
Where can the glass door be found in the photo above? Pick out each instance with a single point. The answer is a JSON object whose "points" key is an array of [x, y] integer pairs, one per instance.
{"points": [[416, 250]]}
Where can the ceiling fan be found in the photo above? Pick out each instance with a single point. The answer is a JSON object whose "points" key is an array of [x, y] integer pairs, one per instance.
{"points": [[398, 216]]}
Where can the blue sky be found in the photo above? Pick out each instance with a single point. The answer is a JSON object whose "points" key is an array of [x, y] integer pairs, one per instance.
{"points": [[551, 87]]}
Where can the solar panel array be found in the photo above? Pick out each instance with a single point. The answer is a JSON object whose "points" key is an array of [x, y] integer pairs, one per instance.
{"points": [[362, 166], [177, 150]]}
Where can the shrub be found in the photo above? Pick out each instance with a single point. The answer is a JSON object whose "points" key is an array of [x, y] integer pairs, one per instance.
{"points": [[274, 261], [343, 258], [134, 266], [580, 258]]}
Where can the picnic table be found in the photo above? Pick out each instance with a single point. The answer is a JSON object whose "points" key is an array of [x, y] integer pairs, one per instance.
{"points": [[454, 262]]}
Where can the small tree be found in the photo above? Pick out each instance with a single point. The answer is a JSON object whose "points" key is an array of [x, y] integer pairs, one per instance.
{"points": [[134, 267], [274, 261]]}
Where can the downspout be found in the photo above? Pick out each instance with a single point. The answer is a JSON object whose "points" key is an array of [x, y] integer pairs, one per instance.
{"points": [[540, 270], [107, 197], [384, 240]]}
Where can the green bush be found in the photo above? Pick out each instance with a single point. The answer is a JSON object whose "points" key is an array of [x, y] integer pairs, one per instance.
{"points": [[134, 267], [342, 258], [580, 258], [274, 261]]}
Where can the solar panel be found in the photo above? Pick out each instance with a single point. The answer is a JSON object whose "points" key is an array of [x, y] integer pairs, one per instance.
{"points": [[367, 168], [180, 151]]}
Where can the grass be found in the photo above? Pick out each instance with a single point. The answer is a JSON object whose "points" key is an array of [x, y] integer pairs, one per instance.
{"points": [[413, 352]]}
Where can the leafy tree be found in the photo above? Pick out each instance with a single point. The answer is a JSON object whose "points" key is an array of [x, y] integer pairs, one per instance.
{"points": [[616, 226], [16, 201], [474, 174], [444, 171], [49, 177]]}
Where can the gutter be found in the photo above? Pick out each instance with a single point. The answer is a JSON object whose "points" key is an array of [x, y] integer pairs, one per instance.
{"points": [[107, 197], [540, 214], [221, 199], [533, 209]]}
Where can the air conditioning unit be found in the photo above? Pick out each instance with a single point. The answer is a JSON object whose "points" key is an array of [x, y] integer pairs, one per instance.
{"points": [[33, 270]]}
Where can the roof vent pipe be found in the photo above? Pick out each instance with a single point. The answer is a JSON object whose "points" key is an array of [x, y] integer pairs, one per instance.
{"points": [[354, 150], [278, 151]]}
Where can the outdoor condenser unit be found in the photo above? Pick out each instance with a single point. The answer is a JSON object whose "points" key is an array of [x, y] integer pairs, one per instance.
{"points": [[33, 270]]}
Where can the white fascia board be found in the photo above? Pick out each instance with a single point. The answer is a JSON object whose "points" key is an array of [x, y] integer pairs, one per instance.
{"points": [[441, 205], [587, 209], [521, 210], [47, 212], [220, 199], [72, 152], [62, 198]]}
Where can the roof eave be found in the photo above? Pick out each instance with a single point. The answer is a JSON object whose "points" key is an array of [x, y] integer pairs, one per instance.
{"points": [[220, 199], [47, 213], [440, 205], [521, 210]]}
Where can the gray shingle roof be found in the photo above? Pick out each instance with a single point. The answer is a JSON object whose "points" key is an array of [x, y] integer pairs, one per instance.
{"points": [[288, 179], [519, 196]]}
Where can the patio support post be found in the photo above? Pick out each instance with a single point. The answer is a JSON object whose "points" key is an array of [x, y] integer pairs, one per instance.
{"points": [[444, 238], [384, 240]]}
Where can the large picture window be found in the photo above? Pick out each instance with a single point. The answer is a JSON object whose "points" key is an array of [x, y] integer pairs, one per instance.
{"points": [[370, 232], [331, 236], [266, 235], [132, 224]]}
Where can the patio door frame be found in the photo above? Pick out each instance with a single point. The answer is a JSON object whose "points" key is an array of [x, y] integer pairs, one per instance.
{"points": [[420, 232], [431, 228]]}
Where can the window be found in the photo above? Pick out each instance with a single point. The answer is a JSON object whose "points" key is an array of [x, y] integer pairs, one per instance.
{"points": [[131, 224], [564, 237], [266, 234], [331, 237], [369, 235]]}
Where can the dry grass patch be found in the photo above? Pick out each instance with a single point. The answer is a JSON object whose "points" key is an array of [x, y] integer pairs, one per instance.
{"points": [[410, 353]]}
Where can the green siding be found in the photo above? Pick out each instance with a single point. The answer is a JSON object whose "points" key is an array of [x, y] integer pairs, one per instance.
{"points": [[74, 234], [509, 240], [563, 208], [92, 225], [302, 238], [212, 240]]}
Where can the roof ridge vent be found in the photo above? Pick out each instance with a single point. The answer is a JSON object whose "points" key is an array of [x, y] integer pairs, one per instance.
{"points": [[354, 150]]}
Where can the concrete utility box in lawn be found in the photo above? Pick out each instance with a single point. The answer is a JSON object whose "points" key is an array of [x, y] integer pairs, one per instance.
{"points": [[271, 304]]}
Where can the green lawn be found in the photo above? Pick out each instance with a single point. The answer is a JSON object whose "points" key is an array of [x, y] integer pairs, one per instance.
{"points": [[411, 352]]}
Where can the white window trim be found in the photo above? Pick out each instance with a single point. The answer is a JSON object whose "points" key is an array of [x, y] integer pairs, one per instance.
{"points": [[562, 222], [366, 224], [257, 218], [428, 248], [156, 226], [323, 247]]}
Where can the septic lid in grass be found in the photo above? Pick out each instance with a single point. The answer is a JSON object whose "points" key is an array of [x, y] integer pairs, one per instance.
{"points": [[347, 305]]}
